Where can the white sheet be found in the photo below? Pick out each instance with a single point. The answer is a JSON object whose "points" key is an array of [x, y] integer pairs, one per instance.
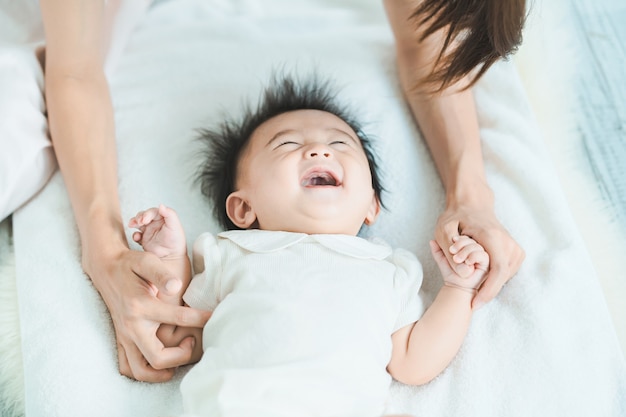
{"points": [[545, 346]]}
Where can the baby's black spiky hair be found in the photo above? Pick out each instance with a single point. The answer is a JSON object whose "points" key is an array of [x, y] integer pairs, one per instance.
{"points": [[224, 145]]}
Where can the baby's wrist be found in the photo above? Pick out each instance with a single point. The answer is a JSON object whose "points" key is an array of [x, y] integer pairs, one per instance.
{"points": [[176, 262], [175, 254], [469, 290]]}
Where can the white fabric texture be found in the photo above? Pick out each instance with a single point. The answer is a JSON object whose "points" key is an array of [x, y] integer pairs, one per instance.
{"points": [[125, 16], [26, 158], [301, 324], [544, 346]]}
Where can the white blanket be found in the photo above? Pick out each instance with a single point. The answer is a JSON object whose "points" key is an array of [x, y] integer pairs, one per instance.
{"points": [[543, 347]]}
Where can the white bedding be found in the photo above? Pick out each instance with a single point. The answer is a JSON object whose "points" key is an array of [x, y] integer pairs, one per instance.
{"points": [[544, 347]]}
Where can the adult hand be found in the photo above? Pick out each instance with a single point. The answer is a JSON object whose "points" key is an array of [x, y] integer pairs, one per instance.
{"points": [[175, 335], [129, 282], [481, 224]]}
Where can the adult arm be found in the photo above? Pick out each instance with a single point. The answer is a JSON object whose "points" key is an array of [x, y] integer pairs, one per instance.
{"points": [[449, 124], [81, 124]]}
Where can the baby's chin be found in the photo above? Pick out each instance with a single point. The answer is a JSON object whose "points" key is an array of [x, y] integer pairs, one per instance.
{"points": [[315, 227], [323, 192]]}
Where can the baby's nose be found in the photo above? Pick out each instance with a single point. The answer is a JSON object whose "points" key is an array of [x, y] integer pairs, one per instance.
{"points": [[319, 150]]}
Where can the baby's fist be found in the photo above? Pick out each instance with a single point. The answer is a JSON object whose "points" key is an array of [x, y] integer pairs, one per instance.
{"points": [[465, 251]]}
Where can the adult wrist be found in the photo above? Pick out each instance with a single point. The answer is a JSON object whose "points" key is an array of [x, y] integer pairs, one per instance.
{"points": [[475, 193], [102, 243]]}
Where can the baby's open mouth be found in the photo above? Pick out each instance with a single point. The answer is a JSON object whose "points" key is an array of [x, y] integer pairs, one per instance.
{"points": [[319, 179]]}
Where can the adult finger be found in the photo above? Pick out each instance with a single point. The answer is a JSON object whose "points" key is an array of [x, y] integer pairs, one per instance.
{"points": [[177, 315], [160, 358], [137, 367], [496, 278], [151, 269], [448, 231], [142, 370], [122, 362]]}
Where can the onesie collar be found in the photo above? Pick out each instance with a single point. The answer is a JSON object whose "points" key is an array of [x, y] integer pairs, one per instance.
{"points": [[266, 241]]}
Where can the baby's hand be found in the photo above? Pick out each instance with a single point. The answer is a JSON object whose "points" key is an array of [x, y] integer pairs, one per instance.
{"points": [[160, 232], [468, 252]]}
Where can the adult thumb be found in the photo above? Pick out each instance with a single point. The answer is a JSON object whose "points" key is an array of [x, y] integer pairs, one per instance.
{"points": [[152, 270]]}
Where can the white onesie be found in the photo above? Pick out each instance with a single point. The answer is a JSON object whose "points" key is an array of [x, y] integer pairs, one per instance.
{"points": [[301, 324]]}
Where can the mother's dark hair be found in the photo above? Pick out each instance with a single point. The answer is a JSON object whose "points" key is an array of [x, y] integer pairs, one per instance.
{"points": [[478, 33]]}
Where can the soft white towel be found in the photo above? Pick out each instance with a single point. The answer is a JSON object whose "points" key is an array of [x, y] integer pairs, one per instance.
{"points": [[544, 347]]}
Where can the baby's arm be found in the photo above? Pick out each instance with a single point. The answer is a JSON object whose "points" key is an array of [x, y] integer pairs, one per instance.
{"points": [[161, 233], [424, 349]]}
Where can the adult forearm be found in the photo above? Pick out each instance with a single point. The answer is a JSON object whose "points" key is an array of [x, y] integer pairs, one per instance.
{"points": [[446, 118], [82, 130], [80, 115], [449, 125]]}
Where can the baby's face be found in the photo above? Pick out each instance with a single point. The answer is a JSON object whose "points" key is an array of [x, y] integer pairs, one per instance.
{"points": [[304, 171]]}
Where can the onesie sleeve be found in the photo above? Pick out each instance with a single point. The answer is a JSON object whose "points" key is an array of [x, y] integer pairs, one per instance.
{"points": [[407, 287], [203, 291]]}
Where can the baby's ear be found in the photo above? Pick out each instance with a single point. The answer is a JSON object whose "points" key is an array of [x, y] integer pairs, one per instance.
{"points": [[239, 211], [373, 212]]}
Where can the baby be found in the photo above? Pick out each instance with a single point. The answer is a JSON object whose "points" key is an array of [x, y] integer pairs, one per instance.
{"points": [[308, 318]]}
